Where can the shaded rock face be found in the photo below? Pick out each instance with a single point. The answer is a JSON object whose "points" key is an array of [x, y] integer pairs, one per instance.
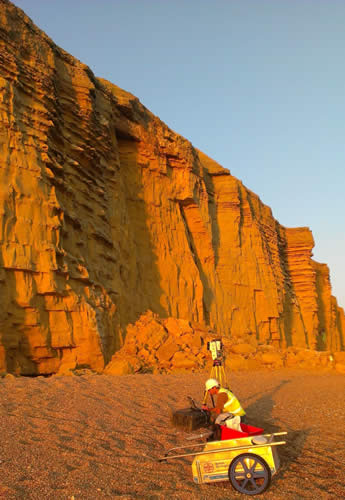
{"points": [[107, 213]]}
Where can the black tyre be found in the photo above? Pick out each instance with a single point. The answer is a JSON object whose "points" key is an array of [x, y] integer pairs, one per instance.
{"points": [[249, 474]]}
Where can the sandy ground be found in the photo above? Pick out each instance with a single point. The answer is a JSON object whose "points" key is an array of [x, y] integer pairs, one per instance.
{"points": [[99, 436]]}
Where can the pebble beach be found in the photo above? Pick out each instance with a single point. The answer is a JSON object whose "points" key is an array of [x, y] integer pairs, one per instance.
{"points": [[92, 436]]}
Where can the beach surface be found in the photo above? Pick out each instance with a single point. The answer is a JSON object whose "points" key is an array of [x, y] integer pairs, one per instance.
{"points": [[94, 436]]}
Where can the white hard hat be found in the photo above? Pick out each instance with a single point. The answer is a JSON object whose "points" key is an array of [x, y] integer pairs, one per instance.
{"points": [[210, 383]]}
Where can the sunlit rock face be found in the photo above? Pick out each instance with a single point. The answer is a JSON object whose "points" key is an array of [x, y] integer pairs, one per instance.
{"points": [[106, 213]]}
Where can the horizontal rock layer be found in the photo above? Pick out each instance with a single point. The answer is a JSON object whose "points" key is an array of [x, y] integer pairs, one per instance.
{"points": [[106, 213]]}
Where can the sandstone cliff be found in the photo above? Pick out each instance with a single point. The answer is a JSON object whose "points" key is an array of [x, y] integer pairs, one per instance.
{"points": [[107, 213]]}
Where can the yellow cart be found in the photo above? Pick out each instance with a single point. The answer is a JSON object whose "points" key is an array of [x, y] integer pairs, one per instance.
{"points": [[247, 462]]}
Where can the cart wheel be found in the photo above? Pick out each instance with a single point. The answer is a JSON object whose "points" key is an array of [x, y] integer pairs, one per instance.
{"points": [[249, 474]]}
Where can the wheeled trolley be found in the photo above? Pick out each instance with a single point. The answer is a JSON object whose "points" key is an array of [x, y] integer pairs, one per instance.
{"points": [[248, 462]]}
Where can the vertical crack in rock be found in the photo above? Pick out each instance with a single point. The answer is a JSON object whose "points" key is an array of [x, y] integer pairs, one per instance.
{"points": [[197, 243]]}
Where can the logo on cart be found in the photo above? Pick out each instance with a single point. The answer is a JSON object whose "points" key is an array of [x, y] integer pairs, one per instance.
{"points": [[221, 465], [208, 467]]}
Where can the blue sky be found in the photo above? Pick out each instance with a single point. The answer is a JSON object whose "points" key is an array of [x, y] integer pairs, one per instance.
{"points": [[258, 85]]}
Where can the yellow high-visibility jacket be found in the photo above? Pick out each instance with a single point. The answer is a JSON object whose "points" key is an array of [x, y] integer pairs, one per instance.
{"points": [[232, 405]]}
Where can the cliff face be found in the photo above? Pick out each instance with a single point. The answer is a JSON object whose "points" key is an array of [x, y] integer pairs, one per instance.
{"points": [[107, 213]]}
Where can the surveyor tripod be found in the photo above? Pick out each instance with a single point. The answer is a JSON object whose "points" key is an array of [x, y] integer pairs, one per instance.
{"points": [[217, 370]]}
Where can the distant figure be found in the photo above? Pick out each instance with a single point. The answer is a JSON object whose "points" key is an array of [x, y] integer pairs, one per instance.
{"points": [[226, 401]]}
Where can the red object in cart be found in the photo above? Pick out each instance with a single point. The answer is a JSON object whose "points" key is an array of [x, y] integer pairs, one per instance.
{"points": [[247, 430]]}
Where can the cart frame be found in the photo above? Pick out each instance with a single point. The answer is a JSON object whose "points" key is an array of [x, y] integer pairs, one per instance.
{"points": [[247, 465]]}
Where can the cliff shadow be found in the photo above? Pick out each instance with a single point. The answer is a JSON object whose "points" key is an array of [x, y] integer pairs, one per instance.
{"points": [[321, 339], [213, 211], [340, 329], [139, 272], [16, 356], [196, 252], [290, 298], [99, 189], [287, 307]]}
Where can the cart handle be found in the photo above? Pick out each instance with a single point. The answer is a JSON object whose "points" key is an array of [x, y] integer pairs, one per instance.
{"points": [[203, 444], [222, 450]]}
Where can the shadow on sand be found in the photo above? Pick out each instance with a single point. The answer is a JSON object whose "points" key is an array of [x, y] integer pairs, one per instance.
{"points": [[259, 413]]}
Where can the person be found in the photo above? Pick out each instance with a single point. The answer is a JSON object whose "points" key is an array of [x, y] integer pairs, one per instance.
{"points": [[226, 401]]}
